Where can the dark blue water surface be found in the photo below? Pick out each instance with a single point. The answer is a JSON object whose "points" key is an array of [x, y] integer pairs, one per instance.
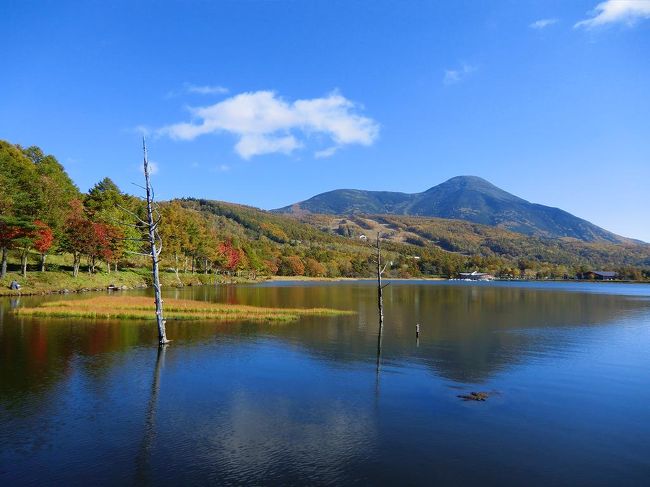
{"points": [[567, 367]]}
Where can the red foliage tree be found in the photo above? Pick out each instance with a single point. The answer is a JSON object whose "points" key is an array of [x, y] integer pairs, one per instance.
{"points": [[95, 240], [43, 240], [78, 234], [232, 256], [104, 244]]}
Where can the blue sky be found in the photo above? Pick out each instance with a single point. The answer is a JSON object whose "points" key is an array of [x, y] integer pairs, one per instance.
{"points": [[270, 102]]}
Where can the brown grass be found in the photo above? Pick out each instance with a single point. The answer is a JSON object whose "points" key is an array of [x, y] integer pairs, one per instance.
{"points": [[141, 308]]}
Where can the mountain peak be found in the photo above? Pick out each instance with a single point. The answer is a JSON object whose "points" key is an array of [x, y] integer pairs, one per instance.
{"points": [[469, 198], [472, 184], [468, 180]]}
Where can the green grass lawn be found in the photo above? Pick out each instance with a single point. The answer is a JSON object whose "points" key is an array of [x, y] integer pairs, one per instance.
{"points": [[58, 277]]}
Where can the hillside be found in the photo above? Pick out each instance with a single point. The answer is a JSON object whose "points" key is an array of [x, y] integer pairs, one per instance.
{"points": [[49, 229], [425, 245], [467, 198]]}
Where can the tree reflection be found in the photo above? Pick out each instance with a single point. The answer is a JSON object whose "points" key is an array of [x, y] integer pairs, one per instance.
{"points": [[142, 467]]}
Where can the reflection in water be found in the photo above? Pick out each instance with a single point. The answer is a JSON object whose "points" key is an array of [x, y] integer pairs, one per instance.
{"points": [[142, 469], [296, 403], [380, 337], [468, 332]]}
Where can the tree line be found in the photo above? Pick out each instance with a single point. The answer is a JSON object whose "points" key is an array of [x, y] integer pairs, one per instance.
{"points": [[43, 212]]}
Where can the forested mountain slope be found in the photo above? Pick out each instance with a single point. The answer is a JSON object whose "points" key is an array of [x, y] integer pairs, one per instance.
{"points": [[422, 245], [468, 198], [47, 224]]}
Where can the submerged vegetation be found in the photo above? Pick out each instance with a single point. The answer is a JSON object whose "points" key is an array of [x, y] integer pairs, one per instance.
{"points": [[141, 308]]}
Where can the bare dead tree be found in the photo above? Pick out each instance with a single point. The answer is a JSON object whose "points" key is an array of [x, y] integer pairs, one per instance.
{"points": [[153, 241], [380, 297]]}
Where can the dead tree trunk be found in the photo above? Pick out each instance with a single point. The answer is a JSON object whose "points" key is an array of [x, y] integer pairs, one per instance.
{"points": [[380, 298], [155, 243]]}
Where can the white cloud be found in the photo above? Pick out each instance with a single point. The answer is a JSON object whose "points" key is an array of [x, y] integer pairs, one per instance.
{"points": [[542, 23], [453, 76], [206, 89], [250, 145], [617, 11], [265, 123], [329, 152]]}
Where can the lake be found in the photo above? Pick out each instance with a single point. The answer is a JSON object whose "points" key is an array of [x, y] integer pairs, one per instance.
{"points": [[566, 366]]}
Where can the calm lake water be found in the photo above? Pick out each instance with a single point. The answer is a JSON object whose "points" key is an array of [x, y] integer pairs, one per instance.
{"points": [[567, 367]]}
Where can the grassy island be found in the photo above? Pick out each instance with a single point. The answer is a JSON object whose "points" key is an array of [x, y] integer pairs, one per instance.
{"points": [[142, 308]]}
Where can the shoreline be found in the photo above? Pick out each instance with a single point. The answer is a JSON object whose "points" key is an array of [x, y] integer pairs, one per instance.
{"points": [[56, 282]]}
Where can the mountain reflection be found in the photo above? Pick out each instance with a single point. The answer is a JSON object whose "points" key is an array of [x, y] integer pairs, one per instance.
{"points": [[468, 333], [304, 402]]}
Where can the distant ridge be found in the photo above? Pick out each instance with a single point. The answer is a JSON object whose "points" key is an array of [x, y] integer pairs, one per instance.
{"points": [[468, 198]]}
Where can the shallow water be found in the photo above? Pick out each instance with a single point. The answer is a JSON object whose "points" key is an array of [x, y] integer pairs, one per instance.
{"points": [[566, 365]]}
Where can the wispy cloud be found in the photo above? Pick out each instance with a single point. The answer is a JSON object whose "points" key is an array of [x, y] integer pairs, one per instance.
{"points": [[192, 89], [265, 123], [616, 11], [542, 23], [329, 152], [453, 76], [206, 89]]}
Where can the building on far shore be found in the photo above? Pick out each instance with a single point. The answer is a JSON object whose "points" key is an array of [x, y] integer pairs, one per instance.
{"points": [[598, 275], [475, 276]]}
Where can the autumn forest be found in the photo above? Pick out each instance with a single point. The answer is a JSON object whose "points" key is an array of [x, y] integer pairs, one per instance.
{"points": [[48, 224]]}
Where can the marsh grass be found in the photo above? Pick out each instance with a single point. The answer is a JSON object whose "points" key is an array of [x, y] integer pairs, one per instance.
{"points": [[142, 308]]}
